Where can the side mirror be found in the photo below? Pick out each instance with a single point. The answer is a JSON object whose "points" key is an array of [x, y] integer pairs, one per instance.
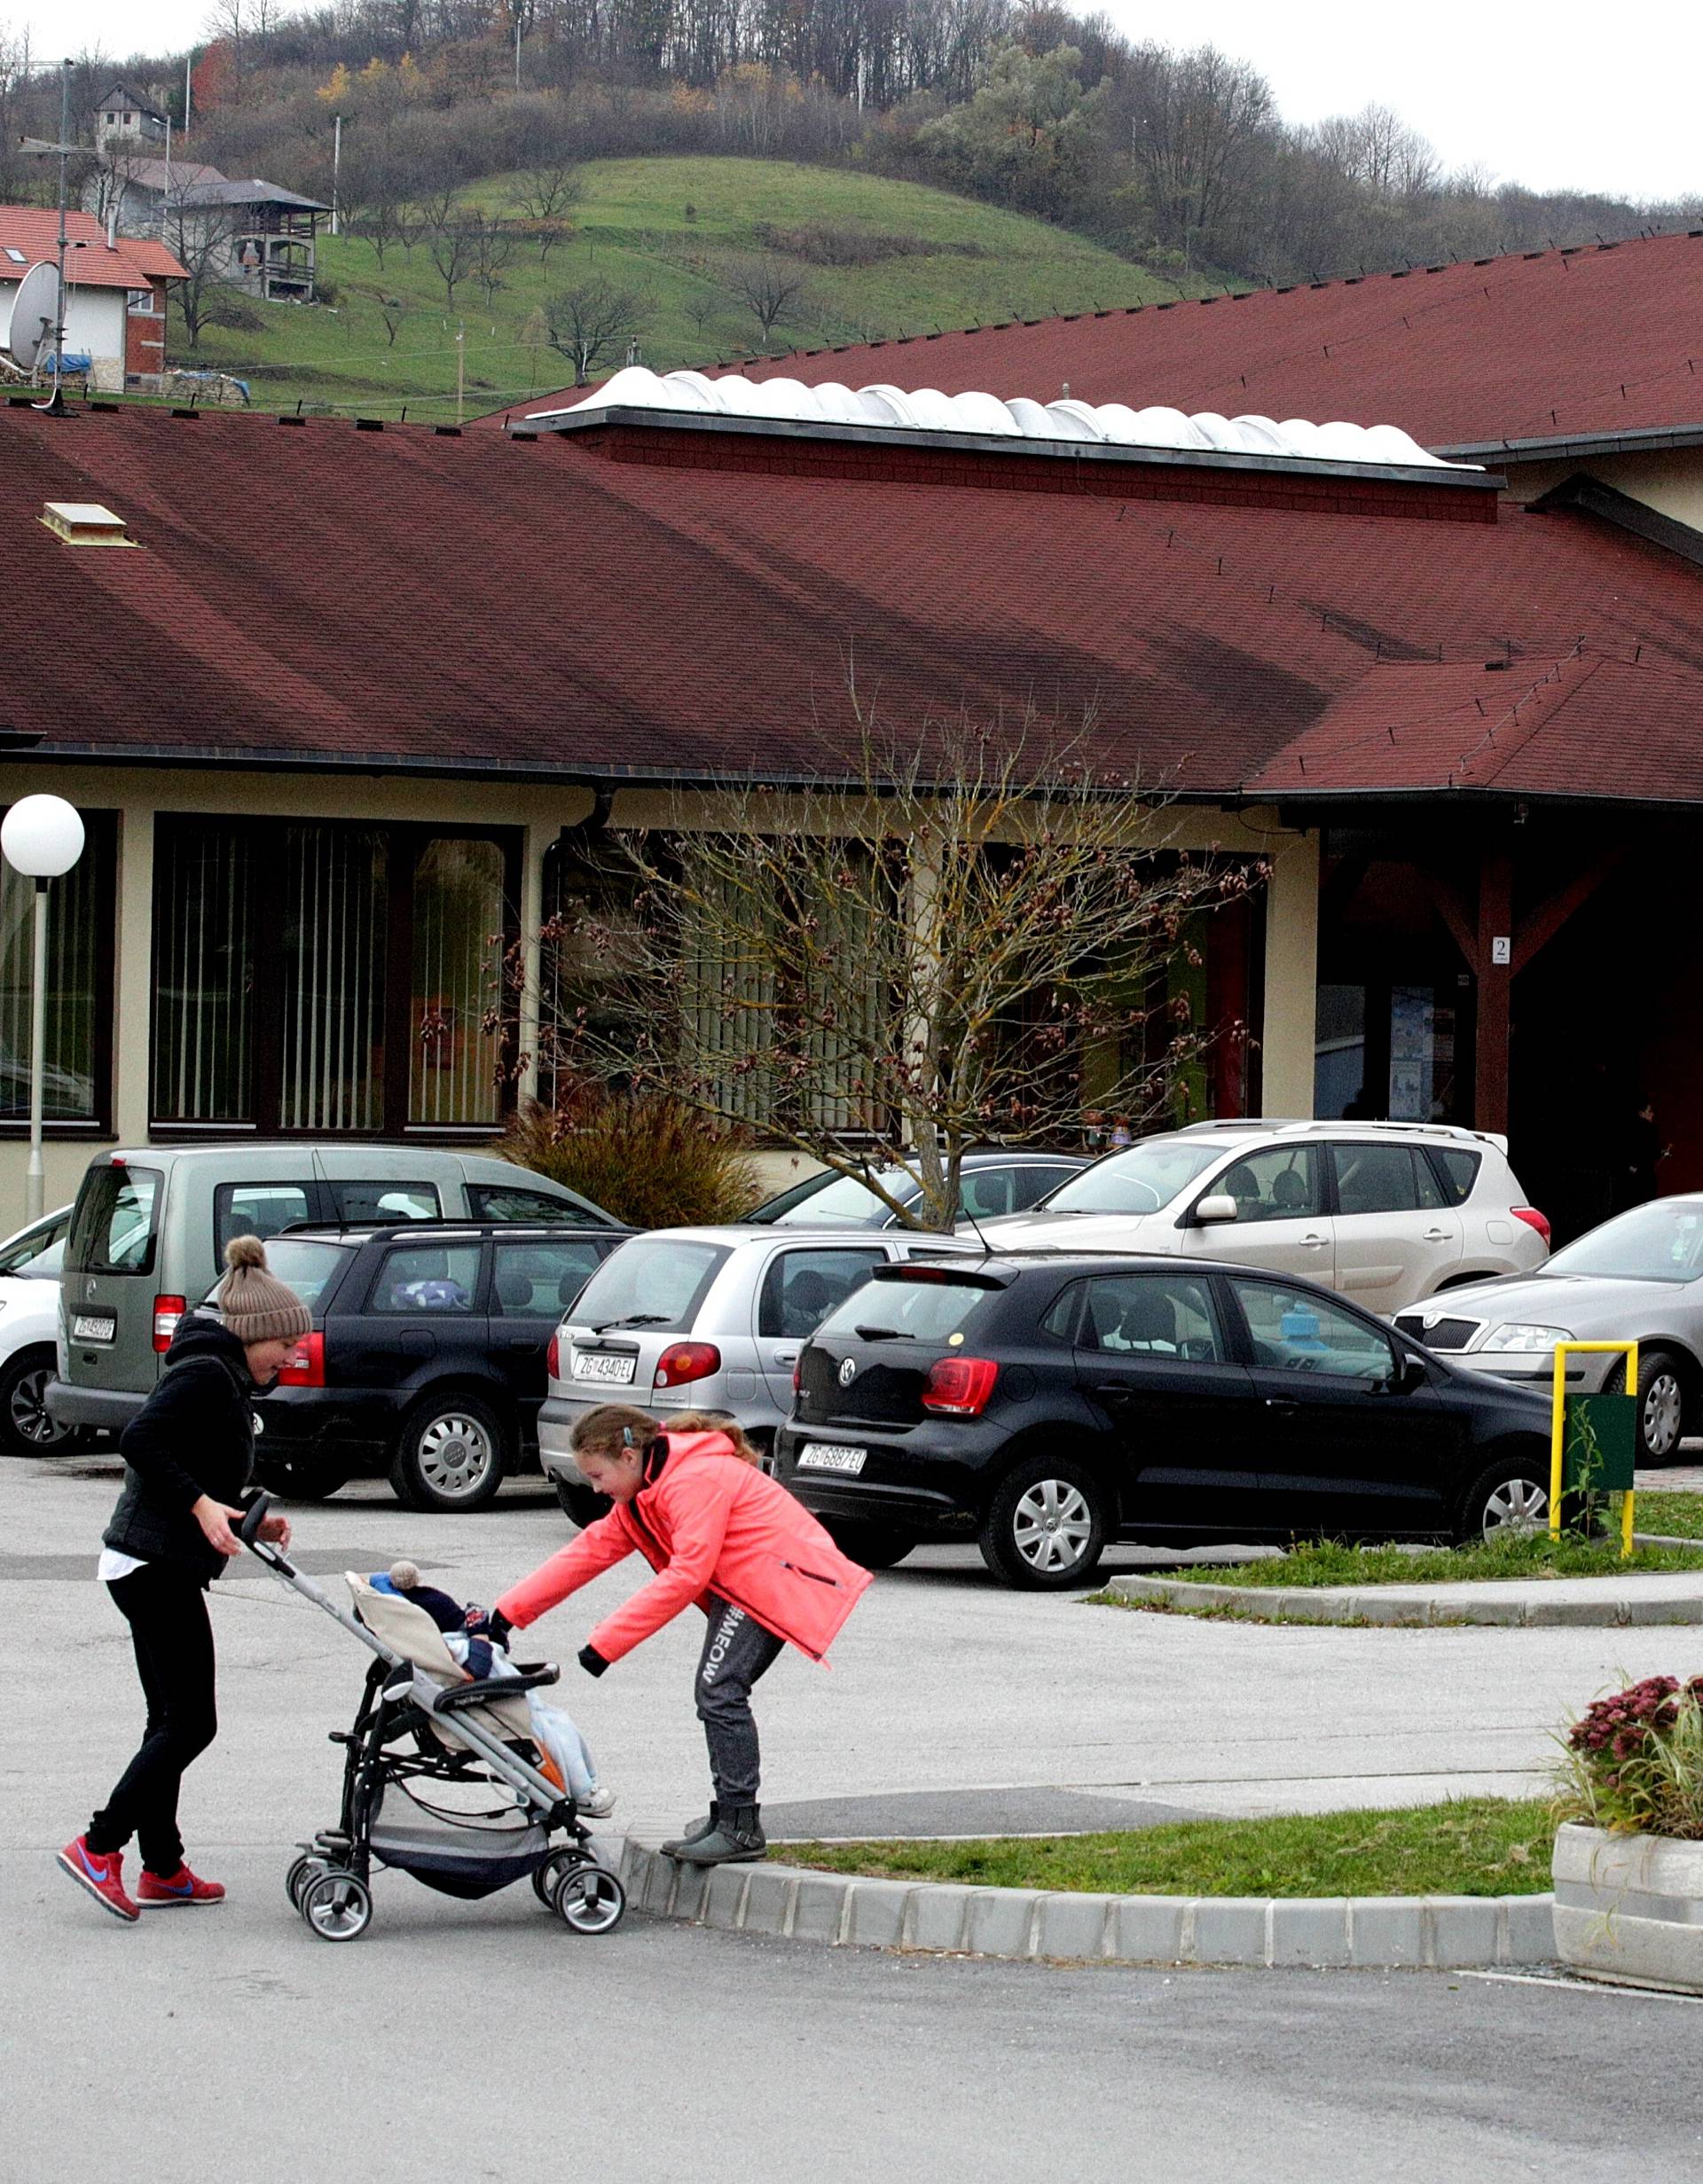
{"points": [[1219, 1207], [1410, 1375]]}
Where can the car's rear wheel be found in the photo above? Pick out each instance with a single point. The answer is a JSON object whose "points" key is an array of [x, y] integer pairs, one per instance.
{"points": [[1045, 1530], [877, 1546], [25, 1428], [1508, 1500], [450, 1454], [583, 1504]]}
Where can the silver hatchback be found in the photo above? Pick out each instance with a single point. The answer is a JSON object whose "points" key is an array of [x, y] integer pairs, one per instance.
{"points": [[703, 1319]]}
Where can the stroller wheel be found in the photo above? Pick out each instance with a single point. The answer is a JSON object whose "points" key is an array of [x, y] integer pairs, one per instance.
{"points": [[589, 1899], [547, 1877], [338, 1905], [300, 1870]]}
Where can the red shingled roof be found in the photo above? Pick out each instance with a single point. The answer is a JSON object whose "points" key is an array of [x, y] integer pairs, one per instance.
{"points": [[321, 594], [1562, 344], [132, 263]]}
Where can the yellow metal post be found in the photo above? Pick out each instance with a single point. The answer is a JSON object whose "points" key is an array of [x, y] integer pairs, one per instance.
{"points": [[1557, 1430]]}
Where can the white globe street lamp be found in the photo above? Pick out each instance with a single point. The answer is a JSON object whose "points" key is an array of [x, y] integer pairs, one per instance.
{"points": [[42, 838]]}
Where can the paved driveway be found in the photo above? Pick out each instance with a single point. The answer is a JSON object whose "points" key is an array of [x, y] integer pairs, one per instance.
{"points": [[460, 2040]]}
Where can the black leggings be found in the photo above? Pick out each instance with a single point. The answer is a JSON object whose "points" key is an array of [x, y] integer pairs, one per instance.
{"points": [[173, 1636]]}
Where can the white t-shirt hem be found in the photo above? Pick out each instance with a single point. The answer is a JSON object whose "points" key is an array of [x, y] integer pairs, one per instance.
{"points": [[113, 1565]]}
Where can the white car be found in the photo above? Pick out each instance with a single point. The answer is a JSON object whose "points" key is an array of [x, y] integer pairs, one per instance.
{"points": [[1385, 1212], [30, 1323]]}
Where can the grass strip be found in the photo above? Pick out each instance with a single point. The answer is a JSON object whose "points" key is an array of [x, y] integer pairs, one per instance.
{"points": [[1476, 1846], [1332, 1562], [1678, 1514]]}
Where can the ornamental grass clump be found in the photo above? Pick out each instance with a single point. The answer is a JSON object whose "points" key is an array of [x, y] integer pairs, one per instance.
{"points": [[1634, 1765]]}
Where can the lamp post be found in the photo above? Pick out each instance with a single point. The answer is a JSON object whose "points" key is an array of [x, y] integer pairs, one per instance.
{"points": [[42, 838]]}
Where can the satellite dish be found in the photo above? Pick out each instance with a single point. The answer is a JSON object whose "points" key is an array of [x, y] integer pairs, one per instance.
{"points": [[35, 314]]}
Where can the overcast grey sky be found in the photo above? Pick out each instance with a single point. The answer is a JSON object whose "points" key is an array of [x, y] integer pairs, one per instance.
{"points": [[1548, 92]]}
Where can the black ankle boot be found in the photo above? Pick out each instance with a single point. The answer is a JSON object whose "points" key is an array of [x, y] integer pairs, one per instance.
{"points": [[695, 1832], [737, 1838]]}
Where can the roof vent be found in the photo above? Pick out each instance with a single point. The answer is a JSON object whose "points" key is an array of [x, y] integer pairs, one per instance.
{"points": [[85, 523]]}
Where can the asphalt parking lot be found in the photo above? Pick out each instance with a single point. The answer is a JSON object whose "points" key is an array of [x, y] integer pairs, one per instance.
{"points": [[467, 2038]]}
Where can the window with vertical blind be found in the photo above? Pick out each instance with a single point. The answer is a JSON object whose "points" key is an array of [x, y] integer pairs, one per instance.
{"points": [[78, 1045], [328, 978]]}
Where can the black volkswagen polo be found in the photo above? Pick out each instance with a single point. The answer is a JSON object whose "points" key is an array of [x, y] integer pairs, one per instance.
{"points": [[1046, 1403]]}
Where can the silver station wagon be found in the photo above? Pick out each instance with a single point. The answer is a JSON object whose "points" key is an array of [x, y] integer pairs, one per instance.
{"points": [[704, 1319]]}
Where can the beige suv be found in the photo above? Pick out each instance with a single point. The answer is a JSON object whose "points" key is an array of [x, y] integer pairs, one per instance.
{"points": [[1385, 1212]]}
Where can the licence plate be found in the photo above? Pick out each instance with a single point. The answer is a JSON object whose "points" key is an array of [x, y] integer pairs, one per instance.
{"points": [[93, 1328], [818, 1456], [594, 1364]]}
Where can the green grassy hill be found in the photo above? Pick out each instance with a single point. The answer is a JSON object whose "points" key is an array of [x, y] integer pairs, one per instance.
{"points": [[905, 259]]}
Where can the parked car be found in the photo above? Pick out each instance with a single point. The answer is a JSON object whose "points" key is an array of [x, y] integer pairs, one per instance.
{"points": [[703, 1319], [998, 1179], [425, 1362], [29, 1321], [150, 1228], [1638, 1278], [1385, 1213], [1043, 1404]]}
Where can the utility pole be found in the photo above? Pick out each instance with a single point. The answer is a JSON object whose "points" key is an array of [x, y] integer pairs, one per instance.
{"points": [[336, 165], [65, 154], [189, 63], [165, 197], [517, 48], [461, 367]]}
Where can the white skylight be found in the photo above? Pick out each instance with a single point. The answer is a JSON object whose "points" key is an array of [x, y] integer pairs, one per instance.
{"points": [[1108, 424]]}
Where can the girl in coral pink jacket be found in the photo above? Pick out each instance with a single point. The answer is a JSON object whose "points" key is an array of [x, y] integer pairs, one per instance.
{"points": [[718, 1531]]}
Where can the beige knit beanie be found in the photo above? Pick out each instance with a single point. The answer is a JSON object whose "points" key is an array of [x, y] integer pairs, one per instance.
{"points": [[257, 1305]]}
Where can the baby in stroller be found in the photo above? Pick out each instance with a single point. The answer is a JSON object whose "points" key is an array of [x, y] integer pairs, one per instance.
{"points": [[565, 1756]]}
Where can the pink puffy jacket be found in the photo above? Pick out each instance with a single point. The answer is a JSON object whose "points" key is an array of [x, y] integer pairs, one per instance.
{"points": [[706, 1522]]}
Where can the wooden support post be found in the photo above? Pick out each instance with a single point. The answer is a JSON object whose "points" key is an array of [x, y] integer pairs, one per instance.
{"points": [[1496, 971]]}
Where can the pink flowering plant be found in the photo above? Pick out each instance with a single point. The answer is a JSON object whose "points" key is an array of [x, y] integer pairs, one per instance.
{"points": [[1634, 1763]]}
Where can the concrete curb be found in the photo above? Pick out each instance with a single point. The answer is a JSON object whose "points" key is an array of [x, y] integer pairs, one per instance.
{"points": [[1272, 1603], [835, 1909]]}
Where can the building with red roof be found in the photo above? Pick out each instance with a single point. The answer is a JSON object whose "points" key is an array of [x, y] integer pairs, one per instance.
{"points": [[340, 700], [115, 291]]}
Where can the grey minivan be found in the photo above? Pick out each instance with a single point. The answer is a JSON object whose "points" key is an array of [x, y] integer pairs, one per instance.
{"points": [[149, 1226]]}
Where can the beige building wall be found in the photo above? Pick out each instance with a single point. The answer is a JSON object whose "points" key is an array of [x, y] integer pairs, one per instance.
{"points": [[1670, 480], [541, 811]]}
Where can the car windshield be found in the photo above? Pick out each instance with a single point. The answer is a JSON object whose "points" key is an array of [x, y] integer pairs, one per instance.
{"points": [[652, 1281], [847, 1202], [1660, 1242], [1146, 1176], [925, 1309]]}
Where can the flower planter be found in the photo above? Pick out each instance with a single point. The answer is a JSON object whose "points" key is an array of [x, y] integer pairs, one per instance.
{"points": [[1629, 1908]]}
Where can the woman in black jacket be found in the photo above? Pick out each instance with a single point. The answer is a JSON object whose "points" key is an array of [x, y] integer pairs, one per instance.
{"points": [[186, 1455]]}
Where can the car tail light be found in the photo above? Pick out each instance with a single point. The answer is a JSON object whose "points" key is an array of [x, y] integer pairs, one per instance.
{"points": [[552, 1358], [168, 1310], [1533, 1218], [686, 1361], [958, 1387], [797, 1375], [305, 1367]]}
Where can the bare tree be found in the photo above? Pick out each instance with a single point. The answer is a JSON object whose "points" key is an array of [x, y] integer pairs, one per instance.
{"points": [[204, 240], [494, 242], [454, 253], [948, 944], [543, 194], [392, 310], [591, 322], [767, 286]]}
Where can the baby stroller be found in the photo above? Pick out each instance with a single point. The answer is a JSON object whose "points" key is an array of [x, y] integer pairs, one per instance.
{"points": [[441, 1778]]}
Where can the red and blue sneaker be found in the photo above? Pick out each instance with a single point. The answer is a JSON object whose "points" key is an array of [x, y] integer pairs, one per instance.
{"points": [[103, 1877], [181, 1887]]}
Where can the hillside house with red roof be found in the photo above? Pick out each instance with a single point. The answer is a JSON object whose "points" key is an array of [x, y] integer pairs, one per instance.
{"points": [[115, 292], [347, 700]]}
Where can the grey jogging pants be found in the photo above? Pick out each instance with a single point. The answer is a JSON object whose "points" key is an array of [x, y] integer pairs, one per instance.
{"points": [[736, 1651]]}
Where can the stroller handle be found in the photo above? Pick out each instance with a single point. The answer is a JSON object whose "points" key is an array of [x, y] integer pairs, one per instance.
{"points": [[248, 1531]]}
